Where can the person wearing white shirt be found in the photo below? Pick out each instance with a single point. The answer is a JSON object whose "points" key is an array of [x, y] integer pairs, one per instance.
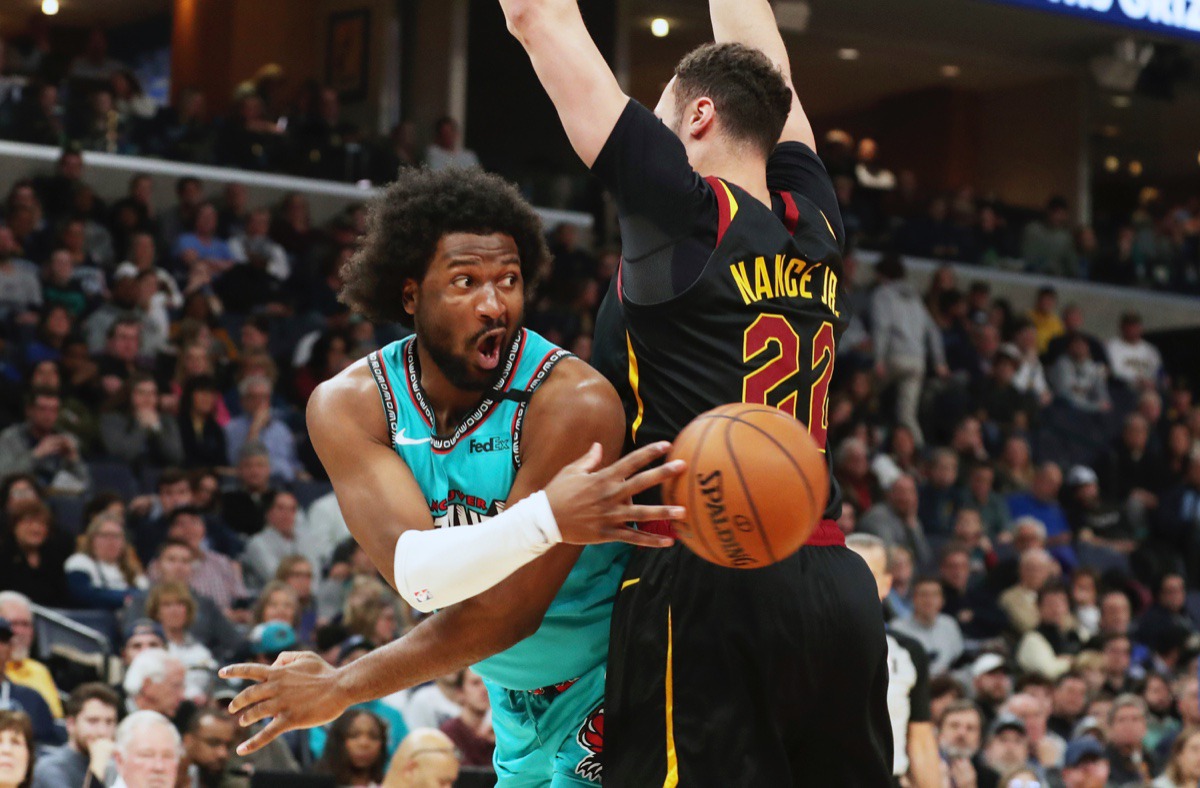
{"points": [[929, 626], [281, 537], [446, 151], [1134, 360], [147, 752], [255, 241], [326, 527]]}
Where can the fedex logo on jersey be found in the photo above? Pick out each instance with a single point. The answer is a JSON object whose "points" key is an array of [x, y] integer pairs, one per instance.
{"points": [[490, 445], [1179, 17]]}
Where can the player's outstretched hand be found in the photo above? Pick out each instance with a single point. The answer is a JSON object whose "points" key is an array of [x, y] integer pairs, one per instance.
{"points": [[298, 691], [593, 506]]}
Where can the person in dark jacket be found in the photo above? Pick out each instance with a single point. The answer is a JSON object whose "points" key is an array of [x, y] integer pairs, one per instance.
{"points": [[32, 554]]}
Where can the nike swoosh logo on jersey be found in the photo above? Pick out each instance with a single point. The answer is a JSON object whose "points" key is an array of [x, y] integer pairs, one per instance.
{"points": [[403, 441]]}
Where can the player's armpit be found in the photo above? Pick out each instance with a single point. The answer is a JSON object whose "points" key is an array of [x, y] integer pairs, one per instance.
{"points": [[376, 491], [571, 69]]}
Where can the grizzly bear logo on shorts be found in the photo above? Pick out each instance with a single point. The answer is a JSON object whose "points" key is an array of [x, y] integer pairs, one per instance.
{"points": [[591, 739]]}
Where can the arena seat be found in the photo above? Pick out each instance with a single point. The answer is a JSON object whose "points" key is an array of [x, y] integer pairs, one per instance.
{"points": [[113, 476]]}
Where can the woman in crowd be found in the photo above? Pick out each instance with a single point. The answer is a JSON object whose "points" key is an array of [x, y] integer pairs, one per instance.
{"points": [[297, 572], [18, 489], [135, 431], [105, 569], [200, 430], [1014, 471], [1183, 768], [32, 554], [172, 605], [16, 750], [1178, 449], [277, 602], [355, 754], [52, 332], [370, 611]]}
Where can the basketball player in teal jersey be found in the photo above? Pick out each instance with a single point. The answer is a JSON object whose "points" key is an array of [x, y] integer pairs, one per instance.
{"points": [[474, 421]]}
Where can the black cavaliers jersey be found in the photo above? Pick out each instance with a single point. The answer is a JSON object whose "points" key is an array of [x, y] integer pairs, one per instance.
{"points": [[719, 298]]}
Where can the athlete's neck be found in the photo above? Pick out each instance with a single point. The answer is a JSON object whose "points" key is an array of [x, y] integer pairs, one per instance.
{"points": [[733, 166], [449, 403]]}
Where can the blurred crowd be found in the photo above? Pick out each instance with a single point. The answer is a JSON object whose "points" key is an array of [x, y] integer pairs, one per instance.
{"points": [[1036, 487]]}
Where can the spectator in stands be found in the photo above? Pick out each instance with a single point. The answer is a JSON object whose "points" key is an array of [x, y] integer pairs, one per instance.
{"points": [[895, 521], [260, 424], [201, 437], [214, 575], [39, 119], [979, 494], [354, 753], [17, 748], [298, 572], [212, 625], [937, 497], [186, 133], [1135, 362], [17, 609], [1118, 665], [155, 681], [60, 286], [326, 526], [277, 602], [446, 150], [1048, 246], [960, 729], [39, 447], [208, 743], [425, 758], [1072, 324], [147, 751], [20, 290], [32, 554], [1030, 377], [1128, 761], [1045, 319], [189, 193], [1079, 381], [1041, 503], [201, 247], [1068, 704], [906, 340], [370, 611], [1035, 567], [1004, 407], [293, 229], [1084, 765], [106, 569], [1007, 748], [1048, 648], [1183, 764], [172, 606], [23, 699], [1179, 517], [1168, 611], [135, 430], [244, 508], [851, 466], [256, 242], [280, 539], [934, 630], [91, 719], [1092, 520], [121, 345], [471, 731]]}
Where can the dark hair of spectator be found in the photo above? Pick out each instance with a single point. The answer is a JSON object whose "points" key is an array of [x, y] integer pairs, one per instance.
{"points": [[169, 477], [125, 320], [1053, 587], [183, 511], [99, 502], [184, 183], [19, 722], [336, 759], [957, 706], [93, 690], [172, 542], [1046, 291], [264, 597], [925, 580], [946, 684], [411, 217], [751, 96], [1056, 203], [890, 266], [198, 383], [165, 591], [1028, 680], [122, 401], [31, 510], [13, 479]]}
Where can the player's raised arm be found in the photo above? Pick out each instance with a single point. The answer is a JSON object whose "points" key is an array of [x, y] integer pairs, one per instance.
{"points": [[752, 22], [571, 69]]}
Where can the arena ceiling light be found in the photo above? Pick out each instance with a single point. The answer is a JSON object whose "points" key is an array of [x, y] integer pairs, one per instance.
{"points": [[848, 53], [1135, 168], [660, 27], [1122, 102], [49, 7], [951, 71], [1112, 164]]}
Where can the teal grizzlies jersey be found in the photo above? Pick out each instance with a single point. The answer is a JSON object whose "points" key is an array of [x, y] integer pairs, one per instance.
{"points": [[466, 477]]}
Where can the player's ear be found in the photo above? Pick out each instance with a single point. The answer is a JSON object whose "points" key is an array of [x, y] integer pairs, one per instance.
{"points": [[701, 116], [408, 296]]}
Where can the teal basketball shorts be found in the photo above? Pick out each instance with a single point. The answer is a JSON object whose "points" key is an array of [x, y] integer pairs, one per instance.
{"points": [[551, 737]]}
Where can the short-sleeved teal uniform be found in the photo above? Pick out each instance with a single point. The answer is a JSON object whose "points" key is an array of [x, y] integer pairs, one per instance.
{"points": [[547, 691]]}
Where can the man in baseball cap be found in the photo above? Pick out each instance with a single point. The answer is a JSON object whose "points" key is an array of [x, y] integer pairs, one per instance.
{"points": [[1084, 765], [1007, 745], [270, 639]]}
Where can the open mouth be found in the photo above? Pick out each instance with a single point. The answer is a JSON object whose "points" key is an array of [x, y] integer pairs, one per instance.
{"points": [[488, 349]]}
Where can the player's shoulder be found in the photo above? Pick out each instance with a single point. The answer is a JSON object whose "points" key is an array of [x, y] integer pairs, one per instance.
{"points": [[576, 388], [348, 397]]}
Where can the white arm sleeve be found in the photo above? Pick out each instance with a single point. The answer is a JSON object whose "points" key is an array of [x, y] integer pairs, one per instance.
{"points": [[444, 566]]}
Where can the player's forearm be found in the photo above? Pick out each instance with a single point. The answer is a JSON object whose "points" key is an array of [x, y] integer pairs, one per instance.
{"points": [[924, 766], [749, 22], [447, 642]]}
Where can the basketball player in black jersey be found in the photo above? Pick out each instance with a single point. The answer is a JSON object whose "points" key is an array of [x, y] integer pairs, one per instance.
{"points": [[729, 291]]}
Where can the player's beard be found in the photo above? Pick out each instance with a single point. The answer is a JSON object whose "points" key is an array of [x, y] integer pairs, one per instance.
{"points": [[456, 365]]}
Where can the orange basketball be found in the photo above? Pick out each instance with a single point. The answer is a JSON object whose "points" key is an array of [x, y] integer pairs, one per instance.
{"points": [[755, 488]]}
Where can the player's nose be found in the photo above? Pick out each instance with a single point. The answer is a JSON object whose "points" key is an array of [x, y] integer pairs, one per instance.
{"points": [[489, 305]]}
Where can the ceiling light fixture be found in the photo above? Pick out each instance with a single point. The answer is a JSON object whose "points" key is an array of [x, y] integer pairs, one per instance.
{"points": [[1122, 102], [1112, 164], [951, 71], [49, 7], [848, 53], [1135, 168], [660, 27]]}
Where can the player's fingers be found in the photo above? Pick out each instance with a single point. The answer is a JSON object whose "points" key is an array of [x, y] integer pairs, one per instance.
{"points": [[256, 693], [652, 478], [274, 729], [288, 657], [628, 535], [259, 711], [245, 670], [645, 514], [634, 461]]}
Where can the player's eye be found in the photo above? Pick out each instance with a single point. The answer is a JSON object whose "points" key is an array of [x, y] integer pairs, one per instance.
{"points": [[510, 280], [461, 281]]}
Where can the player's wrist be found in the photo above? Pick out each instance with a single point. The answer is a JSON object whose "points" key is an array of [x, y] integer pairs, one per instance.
{"points": [[543, 523]]}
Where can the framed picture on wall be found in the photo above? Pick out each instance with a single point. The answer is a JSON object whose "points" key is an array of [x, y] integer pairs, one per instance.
{"points": [[347, 63]]}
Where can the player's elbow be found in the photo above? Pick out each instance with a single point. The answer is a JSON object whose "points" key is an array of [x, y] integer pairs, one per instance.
{"points": [[521, 15]]}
